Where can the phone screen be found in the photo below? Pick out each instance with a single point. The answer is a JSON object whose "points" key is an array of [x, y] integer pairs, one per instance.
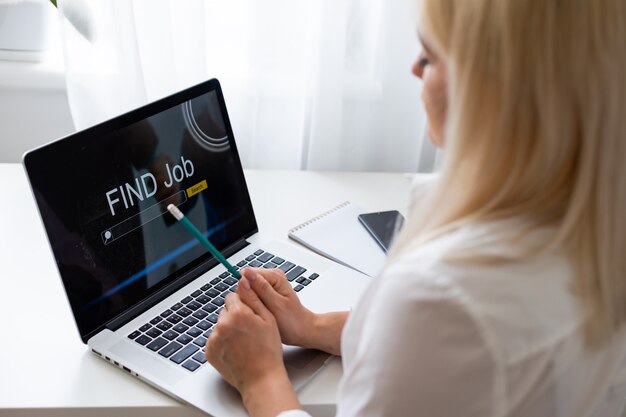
{"points": [[383, 226]]}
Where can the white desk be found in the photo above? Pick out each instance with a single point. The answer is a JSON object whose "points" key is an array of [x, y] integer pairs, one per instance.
{"points": [[45, 370]]}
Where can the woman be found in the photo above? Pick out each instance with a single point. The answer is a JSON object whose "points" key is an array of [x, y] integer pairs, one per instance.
{"points": [[505, 295]]}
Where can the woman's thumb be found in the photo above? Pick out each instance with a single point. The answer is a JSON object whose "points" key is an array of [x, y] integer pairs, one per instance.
{"points": [[251, 299]]}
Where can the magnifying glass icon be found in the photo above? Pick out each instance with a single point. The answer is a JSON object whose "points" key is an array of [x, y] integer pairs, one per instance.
{"points": [[107, 235]]}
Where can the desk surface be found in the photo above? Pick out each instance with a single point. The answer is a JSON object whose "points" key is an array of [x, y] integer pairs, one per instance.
{"points": [[44, 367]]}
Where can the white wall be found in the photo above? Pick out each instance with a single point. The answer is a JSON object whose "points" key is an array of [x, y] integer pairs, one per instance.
{"points": [[33, 102], [34, 108], [30, 117]]}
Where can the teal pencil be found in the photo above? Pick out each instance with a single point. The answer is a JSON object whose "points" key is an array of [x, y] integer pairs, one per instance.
{"points": [[202, 239]]}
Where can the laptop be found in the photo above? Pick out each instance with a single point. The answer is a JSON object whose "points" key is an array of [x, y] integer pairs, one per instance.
{"points": [[145, 295]]}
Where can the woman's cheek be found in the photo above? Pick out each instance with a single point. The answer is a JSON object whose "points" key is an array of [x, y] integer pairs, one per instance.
{"points": [[435, 102]]}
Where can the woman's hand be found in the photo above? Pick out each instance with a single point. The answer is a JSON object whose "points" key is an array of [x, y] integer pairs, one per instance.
{"points": [[298, 325], [293, 319], [245, 348]]}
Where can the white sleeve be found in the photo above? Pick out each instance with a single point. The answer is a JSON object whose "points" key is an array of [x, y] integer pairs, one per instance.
{"points": [[419, 353], [294, 413]]}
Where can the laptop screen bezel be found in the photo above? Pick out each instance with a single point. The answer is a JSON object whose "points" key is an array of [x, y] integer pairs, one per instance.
{"points": [[200, 264]]}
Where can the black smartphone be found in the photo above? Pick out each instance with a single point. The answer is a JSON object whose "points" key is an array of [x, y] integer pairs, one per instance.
{"points": [[383, 226]]}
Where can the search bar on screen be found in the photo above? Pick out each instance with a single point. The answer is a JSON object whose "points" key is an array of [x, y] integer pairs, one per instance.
{"points": [[143, 217]]}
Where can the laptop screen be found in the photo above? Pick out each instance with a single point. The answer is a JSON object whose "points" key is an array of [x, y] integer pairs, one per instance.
{"points": [[102, 194]]}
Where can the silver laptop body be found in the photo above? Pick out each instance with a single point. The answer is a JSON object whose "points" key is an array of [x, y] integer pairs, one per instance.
{"points": [[142, 291]]}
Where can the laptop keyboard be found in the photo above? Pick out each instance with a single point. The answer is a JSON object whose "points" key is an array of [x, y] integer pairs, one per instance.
{"points": [[180, 332]]}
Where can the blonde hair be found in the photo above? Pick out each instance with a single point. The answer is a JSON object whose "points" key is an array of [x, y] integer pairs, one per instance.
{"points": [[536, 129]]}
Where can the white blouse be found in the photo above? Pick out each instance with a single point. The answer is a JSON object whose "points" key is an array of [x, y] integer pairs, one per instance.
{"points": [[434, 338]]}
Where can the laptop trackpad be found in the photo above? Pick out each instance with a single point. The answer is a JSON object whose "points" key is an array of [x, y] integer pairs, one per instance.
{"points": [[299, 358]]}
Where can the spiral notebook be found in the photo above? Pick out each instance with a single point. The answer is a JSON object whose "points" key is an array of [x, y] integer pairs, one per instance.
{"points": [[338, 235]]}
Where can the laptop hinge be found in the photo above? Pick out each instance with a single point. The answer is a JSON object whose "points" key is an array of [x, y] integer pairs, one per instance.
{"points": [[166, 291]]}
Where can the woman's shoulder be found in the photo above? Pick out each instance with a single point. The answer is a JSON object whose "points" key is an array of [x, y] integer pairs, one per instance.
{"points": [[502, 248], [522, 299]]}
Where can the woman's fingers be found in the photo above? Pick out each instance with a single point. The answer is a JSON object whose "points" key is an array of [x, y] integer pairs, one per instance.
{"points": [[250, 298], [275, 277], [264, 291], [245, 342], [274, 291]]}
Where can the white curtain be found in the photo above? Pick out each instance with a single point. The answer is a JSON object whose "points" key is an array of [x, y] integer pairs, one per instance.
{"points": [[309, 84]]}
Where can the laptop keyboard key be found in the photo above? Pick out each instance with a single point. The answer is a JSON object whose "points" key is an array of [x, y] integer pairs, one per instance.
{"points": [[156, 320], [249, 258], [187, 299], [295, 273], [278, 260], [145, 327], [184, 353], [153, 332], [143, 339], [213, 318], [181, 328], [298, 287], [230, 281], [215, 281], [270, 265], [286, 267], [194, 332], [184, 339], [200, 341], [221, 287], [184, 312], [169, 350], [205, 287], [195, 294], [157, 344], [174, 318], [209, 308], [299, 280], [164, 325], [203, 299], [191, 321], [207, 333], [200, 357], [258, 252], [255, 264], [240, 264], [166, 313], [134, 334], [193, 306], [176, 306], [314, 276], [218, 301], [200, 314], [224, 274], [265, 257], [191, 365], [212, 293], [204, 325], [170, 335], [306, 282]]}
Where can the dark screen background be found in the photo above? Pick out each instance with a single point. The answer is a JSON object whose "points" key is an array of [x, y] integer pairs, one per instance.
{"points": [[70, 179]]}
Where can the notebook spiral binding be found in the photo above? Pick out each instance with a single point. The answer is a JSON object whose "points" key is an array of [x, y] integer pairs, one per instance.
{"points": [[314, 219]]}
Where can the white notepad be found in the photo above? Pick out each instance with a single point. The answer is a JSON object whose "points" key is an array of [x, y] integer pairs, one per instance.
{"points": [[338, 235]]}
